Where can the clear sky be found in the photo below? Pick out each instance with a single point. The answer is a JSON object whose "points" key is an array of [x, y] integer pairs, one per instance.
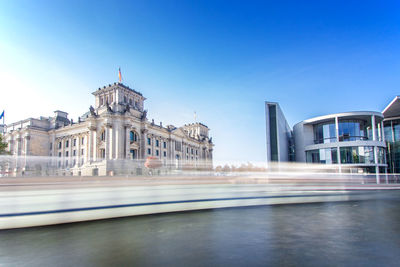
{"points": [[222, 59]]}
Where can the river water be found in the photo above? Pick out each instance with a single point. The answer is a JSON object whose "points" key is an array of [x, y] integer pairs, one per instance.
{"points": [[362, 233]]}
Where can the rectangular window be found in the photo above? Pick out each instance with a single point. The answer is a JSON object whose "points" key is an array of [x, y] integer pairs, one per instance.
{"points": [[149, 151], [191, 151], [75, 142], [357, 154], [74, 153], [165, 144], [66, 153], [157, 153], [82, 152], [178, 146], [165, 153], [59, 145], [83, 140], [51, 146], [323, 155], [66, 143], [149, 141], [59, 154], [157, 143]]}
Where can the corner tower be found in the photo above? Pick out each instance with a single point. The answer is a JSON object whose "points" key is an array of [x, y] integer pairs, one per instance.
{"points": [[118, 96]]}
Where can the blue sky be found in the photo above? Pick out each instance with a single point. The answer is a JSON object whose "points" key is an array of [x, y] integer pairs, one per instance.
{"points": [[222, 59]]}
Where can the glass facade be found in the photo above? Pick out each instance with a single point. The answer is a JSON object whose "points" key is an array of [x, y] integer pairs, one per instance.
{"points": [[273, 133], [381, 155], [354, 130], [323, 155], [392, 138], [357, 154], [325, 132]]}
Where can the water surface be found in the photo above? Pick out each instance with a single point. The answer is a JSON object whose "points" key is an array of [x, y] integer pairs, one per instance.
{"points": [[363, 233]]}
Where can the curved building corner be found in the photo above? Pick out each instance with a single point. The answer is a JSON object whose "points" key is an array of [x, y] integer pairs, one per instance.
{"points": [[352, 140]]}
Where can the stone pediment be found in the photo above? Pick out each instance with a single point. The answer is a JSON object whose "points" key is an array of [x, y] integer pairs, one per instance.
{"points": [[180, 132]]}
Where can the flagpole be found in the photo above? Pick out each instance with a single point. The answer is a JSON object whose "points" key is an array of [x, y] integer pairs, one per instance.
{"points": [[4, 128]]}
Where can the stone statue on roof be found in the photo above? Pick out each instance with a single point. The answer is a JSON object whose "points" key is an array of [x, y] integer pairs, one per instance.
{"points": [[91, 109]]}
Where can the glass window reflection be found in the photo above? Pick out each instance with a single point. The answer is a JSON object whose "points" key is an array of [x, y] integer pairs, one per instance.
{"points": [[325, 133], [354, 130], [323, 155], [362, 154]]}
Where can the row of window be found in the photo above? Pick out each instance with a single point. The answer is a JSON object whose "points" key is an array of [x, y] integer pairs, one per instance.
{"points": [[66, 143], [165, 154], [131, 102], [157, 143], [157, 152], [348, 155], [348, 130], [106, 99], [178, 146], [73, 153], [67, 163]]}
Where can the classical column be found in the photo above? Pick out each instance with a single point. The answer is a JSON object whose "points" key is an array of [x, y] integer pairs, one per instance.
{"points": [[94, 145], [152, 142], [27, 145], [127, 140], [79, 151], [26, 151], [143, 143], [107, 141], [89, 147], [70, 152], [19, 140], [11, 145], [169, 150], [110, 137], [54, 148], [118, 141]]}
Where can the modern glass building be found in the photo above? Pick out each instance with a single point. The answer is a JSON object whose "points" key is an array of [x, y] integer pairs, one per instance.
{"points": [[352, 140], [364, 142], [279, 135], [392, 135]]}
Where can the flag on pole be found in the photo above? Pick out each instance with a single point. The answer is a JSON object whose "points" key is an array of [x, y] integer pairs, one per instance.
{"points": [[119, 75], [2, 115]]}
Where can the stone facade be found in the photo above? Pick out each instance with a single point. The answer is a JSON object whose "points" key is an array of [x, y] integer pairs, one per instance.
{"points": [[113, 138]]}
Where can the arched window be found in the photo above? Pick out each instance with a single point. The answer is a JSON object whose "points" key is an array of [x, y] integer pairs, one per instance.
{"points": [[130, 101], [132, 137]]}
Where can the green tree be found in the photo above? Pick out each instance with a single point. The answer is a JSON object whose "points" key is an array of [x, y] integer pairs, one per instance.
{"points": [[3, 146]]}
